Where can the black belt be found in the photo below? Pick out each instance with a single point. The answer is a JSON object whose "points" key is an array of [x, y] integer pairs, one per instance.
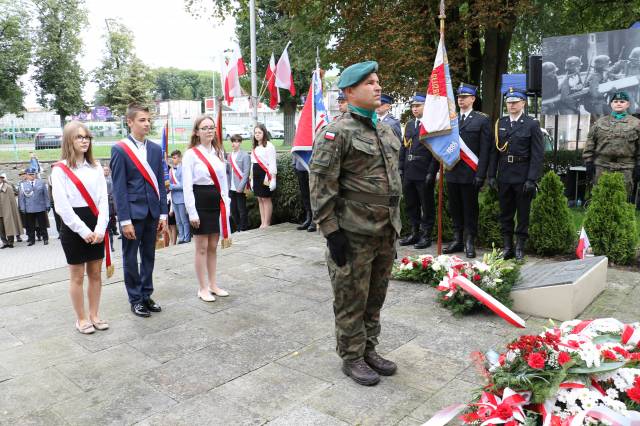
{"points": [[369, 198], [415, 157], [516, 159]]}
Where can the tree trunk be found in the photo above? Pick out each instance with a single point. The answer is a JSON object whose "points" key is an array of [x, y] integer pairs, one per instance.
{"points": [[289, 110], [494, 63]]}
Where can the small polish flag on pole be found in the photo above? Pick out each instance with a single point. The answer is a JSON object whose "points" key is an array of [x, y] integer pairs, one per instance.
{"points": [[232, 68], [284, 76], [583, 244], [274, 93]]}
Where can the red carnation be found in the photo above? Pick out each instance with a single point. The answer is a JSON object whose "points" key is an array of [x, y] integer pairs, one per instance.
{"points": [[607, 354], [477, 277], [504, 411], [636, 382], [634, 394], [470, 417], [536, 360], [405, 260], [622, 351], [502, 358], [425, 263], [563, 358]]}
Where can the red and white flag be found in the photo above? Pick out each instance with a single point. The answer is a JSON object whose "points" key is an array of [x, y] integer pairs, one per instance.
{"points": [[274, 93], [232, 69], [436, 106], [284, 75], [583, 244]]}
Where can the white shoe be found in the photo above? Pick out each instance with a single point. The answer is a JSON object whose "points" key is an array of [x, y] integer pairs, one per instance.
{"points": [[207, 297], [220, 293]]}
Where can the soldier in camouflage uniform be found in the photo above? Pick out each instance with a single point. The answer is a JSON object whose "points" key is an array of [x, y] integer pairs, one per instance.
{"points": [[355, 189], [613, 144], [596, 103], [628, 68]]}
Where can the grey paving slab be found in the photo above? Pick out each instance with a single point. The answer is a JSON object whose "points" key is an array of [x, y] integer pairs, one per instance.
{"points": [[38, 418], [318, 359], [271, 390], [104, 368], [8, 340], [453, 392], [306, 416], [123, 403], [18, 396], [38, 355]]}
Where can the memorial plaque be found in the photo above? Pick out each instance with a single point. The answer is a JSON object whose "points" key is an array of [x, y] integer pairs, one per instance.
{"points": [[560, 290]]}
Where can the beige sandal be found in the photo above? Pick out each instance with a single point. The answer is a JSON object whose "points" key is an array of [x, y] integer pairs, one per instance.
{"points": [[100, 325], [85, 329]]}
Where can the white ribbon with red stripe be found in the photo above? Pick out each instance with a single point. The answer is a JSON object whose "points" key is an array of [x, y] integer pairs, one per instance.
{"points": [[445, 415], [511, 401], [632, 418], [630, 336]]}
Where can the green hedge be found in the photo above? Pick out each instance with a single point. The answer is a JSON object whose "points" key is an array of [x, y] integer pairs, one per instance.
{"points": [[610, 220], [489, 233], [564, 160], [551, 230]]}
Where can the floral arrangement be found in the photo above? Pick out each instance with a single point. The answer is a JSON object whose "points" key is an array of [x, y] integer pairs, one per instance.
{"points": [[578, 373], [493, 275]]}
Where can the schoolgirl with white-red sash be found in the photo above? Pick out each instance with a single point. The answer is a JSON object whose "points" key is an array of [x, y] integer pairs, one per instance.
{"points": [[264, 170], [206, 197], [79, 191]]}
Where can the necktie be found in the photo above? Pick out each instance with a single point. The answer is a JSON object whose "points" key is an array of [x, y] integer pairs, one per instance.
{"points": [[462, 116]]}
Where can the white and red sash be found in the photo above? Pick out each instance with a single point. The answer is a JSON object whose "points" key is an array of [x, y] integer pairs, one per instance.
{"points": [[262, 166], [141, 163], [225, 227], [172, 176], [94, 209], [236, 171]]}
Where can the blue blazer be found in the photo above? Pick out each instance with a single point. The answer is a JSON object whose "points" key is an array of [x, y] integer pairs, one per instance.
{"points": [[177, 194], [134, 197]]}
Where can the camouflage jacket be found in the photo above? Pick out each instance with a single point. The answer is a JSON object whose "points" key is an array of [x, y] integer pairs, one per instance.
{"points": [[351, 156], [614, 144]]}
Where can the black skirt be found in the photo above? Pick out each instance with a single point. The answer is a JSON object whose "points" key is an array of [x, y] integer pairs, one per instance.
{"points": [[76, 250], [259, 188], [208, 207]]}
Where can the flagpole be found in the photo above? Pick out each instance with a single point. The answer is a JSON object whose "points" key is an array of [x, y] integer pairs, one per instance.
{"points": [[254, 75], [442, 17]]}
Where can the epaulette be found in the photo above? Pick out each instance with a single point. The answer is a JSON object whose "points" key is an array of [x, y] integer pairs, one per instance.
{"points": [[483, 114]]}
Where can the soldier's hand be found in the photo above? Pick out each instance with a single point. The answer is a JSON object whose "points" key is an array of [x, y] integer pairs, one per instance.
{"points": [[591, 170], [478, 182], [338, 246], [493, 184], [529, 187], [429, 178]]}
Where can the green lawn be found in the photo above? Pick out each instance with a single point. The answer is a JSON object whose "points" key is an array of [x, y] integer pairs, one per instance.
{"points": [[578, 213]]}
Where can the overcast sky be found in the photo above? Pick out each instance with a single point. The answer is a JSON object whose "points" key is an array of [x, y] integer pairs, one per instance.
{"points": [[166, 35]]}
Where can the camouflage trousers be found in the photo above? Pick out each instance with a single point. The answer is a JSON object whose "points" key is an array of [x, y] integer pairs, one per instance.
{"points": [[359, 290], [627, 174]]}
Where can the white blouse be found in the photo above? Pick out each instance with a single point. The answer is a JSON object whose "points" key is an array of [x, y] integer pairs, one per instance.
{"points": [[267, 155], [66, 196], [195, 172]]}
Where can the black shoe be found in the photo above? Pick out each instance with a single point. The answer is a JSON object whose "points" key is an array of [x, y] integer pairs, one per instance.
{"points": [[413, 238], [456, 245], [18, 239], [520, 244], [46, 242], [152, 306], [382, 366], [5, 246], [360, 372], [140, 310], [39, 238], [181, 242], [469, 247], [508, 248], [312, 227], [425, 240], [30, 243], [307, 221]]}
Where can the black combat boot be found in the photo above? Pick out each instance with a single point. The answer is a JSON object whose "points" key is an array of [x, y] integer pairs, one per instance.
{"points": [[520, 243], [412, 238], [382, 366], [360, 372], [312, 227], [425, 240], [304, 225], [469, 246], [456, 245], [508, 247]]}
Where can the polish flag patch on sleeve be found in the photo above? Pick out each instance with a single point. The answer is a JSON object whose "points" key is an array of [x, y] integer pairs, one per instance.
{"points": [[329, 136]]}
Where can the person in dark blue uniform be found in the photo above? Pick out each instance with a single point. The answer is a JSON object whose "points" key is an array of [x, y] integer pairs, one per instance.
{"points": [[418, 171], [463, 181], [516, 160], [385, 116]]}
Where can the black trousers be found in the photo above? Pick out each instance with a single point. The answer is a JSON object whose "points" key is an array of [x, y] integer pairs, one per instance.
{"points": [[303, 182], [463, 207], [514, 203], [34, 219], [239, 210], [419, 203]]}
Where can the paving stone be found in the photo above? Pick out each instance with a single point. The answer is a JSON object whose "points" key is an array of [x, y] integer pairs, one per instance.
{"points": [[319, 359], [409, 421], [4, 375], [384, 404], [453, 392], [393, 335], [39, 418], [8, 340], [123, 403], [39, 355], [306, 416], [121, 330], [18, 396], [100, 369], [202, 410], [458, 342], [257, 388]]}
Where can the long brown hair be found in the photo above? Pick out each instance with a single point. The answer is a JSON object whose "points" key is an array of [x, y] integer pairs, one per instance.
{"points": [[265, 135], [195, 139], [68, 152]]}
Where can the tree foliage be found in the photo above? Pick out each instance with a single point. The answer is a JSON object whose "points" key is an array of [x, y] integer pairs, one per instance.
{"points": [[173, 83], [15, 54], [58, 75]]}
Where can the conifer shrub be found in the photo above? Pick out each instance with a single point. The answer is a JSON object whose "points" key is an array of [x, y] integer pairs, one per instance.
{"points": [[551, 230], [610, 220], [489, 233]]}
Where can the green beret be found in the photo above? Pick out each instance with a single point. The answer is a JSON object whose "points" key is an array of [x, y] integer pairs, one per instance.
{"points": [[355, 73], [620, 96]]}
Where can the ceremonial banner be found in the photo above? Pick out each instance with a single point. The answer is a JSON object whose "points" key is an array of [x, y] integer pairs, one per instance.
{"points": [[312, 118], [232, 69], [274, 93]]}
